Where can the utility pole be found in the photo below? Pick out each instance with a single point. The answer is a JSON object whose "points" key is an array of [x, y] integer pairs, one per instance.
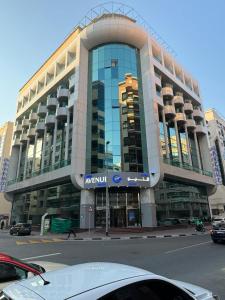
{"points": [[106, 192]]}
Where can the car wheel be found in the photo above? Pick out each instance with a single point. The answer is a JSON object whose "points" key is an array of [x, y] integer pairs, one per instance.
{"points": [[11, 233], [215, 241]]}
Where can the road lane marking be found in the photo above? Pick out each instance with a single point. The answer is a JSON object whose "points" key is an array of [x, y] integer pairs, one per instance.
{"points": [[34, 242], [40, 256], [187, 247], [46, 241], [57, 240], [21, 243]]}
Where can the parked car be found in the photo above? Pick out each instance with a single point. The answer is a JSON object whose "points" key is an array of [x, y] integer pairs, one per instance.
{"points": [[218, 232], [218, 220], [103, 281], [13, 269], [20, 229]]}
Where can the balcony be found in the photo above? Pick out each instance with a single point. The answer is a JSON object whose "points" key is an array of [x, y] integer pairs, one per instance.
{"points": [[71, 100], [180, 118], [42, 110], [130, 116], [25, 123], [167, 92], [50, 120], [62, 94], [33, 117], [61, 113], [186, 166], [188, 107], [191, 124], [31, 132], [16, 142], [23, 138], [130, 101], [18, 128], [158, 79], [40, 128], [56, 166], [201, 130], [178, 100], [169, 111], [52, 102], [198, 114]]}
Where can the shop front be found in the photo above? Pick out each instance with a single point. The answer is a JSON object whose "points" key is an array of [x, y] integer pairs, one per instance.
{"points": [[124, 207], [124, 197]]}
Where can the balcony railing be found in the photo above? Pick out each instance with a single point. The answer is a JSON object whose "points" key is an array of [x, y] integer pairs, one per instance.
{"points": [[186, 166], [58, 165]]}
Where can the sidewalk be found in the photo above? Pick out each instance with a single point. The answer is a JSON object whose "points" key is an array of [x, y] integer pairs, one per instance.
{"points": [[123, 235], [118, 234]]}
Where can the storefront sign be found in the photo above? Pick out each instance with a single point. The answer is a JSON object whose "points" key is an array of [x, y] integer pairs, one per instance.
{"points": [[98, 180]]}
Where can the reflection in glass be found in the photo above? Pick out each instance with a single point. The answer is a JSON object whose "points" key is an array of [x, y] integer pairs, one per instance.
{"points": [[180, 201], [111, 68]]}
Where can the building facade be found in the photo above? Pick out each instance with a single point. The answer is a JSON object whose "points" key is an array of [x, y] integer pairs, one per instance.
{"points": [[110, 107], [216, 133], [6, 134]]}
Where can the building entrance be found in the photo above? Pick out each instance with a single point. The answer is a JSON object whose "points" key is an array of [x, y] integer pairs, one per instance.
{"points": [[124, 208]]}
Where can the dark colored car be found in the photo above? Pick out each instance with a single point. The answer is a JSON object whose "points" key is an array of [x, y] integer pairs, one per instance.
{"points": [[218, 233], [20, 229]]}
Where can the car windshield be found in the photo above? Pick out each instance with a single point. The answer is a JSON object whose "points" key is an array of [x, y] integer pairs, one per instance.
{"points": [[33, 266]]}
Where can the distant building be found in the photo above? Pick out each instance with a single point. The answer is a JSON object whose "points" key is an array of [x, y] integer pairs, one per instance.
{"points": [[6, 133], [216, 132]]}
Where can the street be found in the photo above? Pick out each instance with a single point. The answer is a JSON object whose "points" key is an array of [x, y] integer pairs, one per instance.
{"points": [[194, 259]]}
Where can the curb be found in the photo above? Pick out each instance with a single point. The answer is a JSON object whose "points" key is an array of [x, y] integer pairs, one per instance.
{"points": [[136, 237]]}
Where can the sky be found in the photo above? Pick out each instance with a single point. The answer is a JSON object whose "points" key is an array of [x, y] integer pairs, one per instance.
{"points": [[31, 30]]}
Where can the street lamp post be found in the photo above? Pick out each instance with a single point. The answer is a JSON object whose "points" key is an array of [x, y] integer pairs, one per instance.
{"points": [[106, 192]]}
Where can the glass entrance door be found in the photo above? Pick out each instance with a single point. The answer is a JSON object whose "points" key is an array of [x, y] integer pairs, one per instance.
{"points": [[124, 208]]}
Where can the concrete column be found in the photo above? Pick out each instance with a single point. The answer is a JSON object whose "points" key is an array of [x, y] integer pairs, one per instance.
{"points": [[13, 163], [197, 150], [178, 142], [43, 149], [166, 135], [148, 207], [87, 209], [67, 136], [25, 162], [54, 142], [188, 145], [19, 160], [34, 152]]}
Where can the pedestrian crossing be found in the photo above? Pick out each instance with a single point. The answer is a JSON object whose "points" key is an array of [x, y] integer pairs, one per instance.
{"points": [[39, 241]]}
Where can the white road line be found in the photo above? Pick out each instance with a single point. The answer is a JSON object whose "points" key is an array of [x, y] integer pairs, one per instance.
{"points": [[191, 246], [40, 256]]}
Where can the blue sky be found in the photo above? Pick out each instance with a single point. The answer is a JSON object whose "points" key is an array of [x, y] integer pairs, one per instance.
{"points": [[30, 31]]}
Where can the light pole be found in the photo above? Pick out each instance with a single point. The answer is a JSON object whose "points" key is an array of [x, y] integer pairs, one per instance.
{"points": [[106, 192]]}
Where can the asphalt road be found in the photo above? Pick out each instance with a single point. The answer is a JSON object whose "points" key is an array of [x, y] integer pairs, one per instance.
{"points": [[193, 259]]}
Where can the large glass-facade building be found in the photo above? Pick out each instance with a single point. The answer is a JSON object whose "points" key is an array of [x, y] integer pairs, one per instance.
{"points": [[110, 108]]}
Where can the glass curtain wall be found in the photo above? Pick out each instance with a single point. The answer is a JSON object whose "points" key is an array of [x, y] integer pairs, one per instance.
{"points": [[108, 66], [62, 200], [180, 203]]}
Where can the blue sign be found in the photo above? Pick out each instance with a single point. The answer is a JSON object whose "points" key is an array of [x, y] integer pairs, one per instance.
{"points": [[116, 178]]}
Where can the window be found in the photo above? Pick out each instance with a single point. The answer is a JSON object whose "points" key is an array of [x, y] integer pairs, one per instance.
{"points": [[9, 272], [148, 290], [114, 63]]}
